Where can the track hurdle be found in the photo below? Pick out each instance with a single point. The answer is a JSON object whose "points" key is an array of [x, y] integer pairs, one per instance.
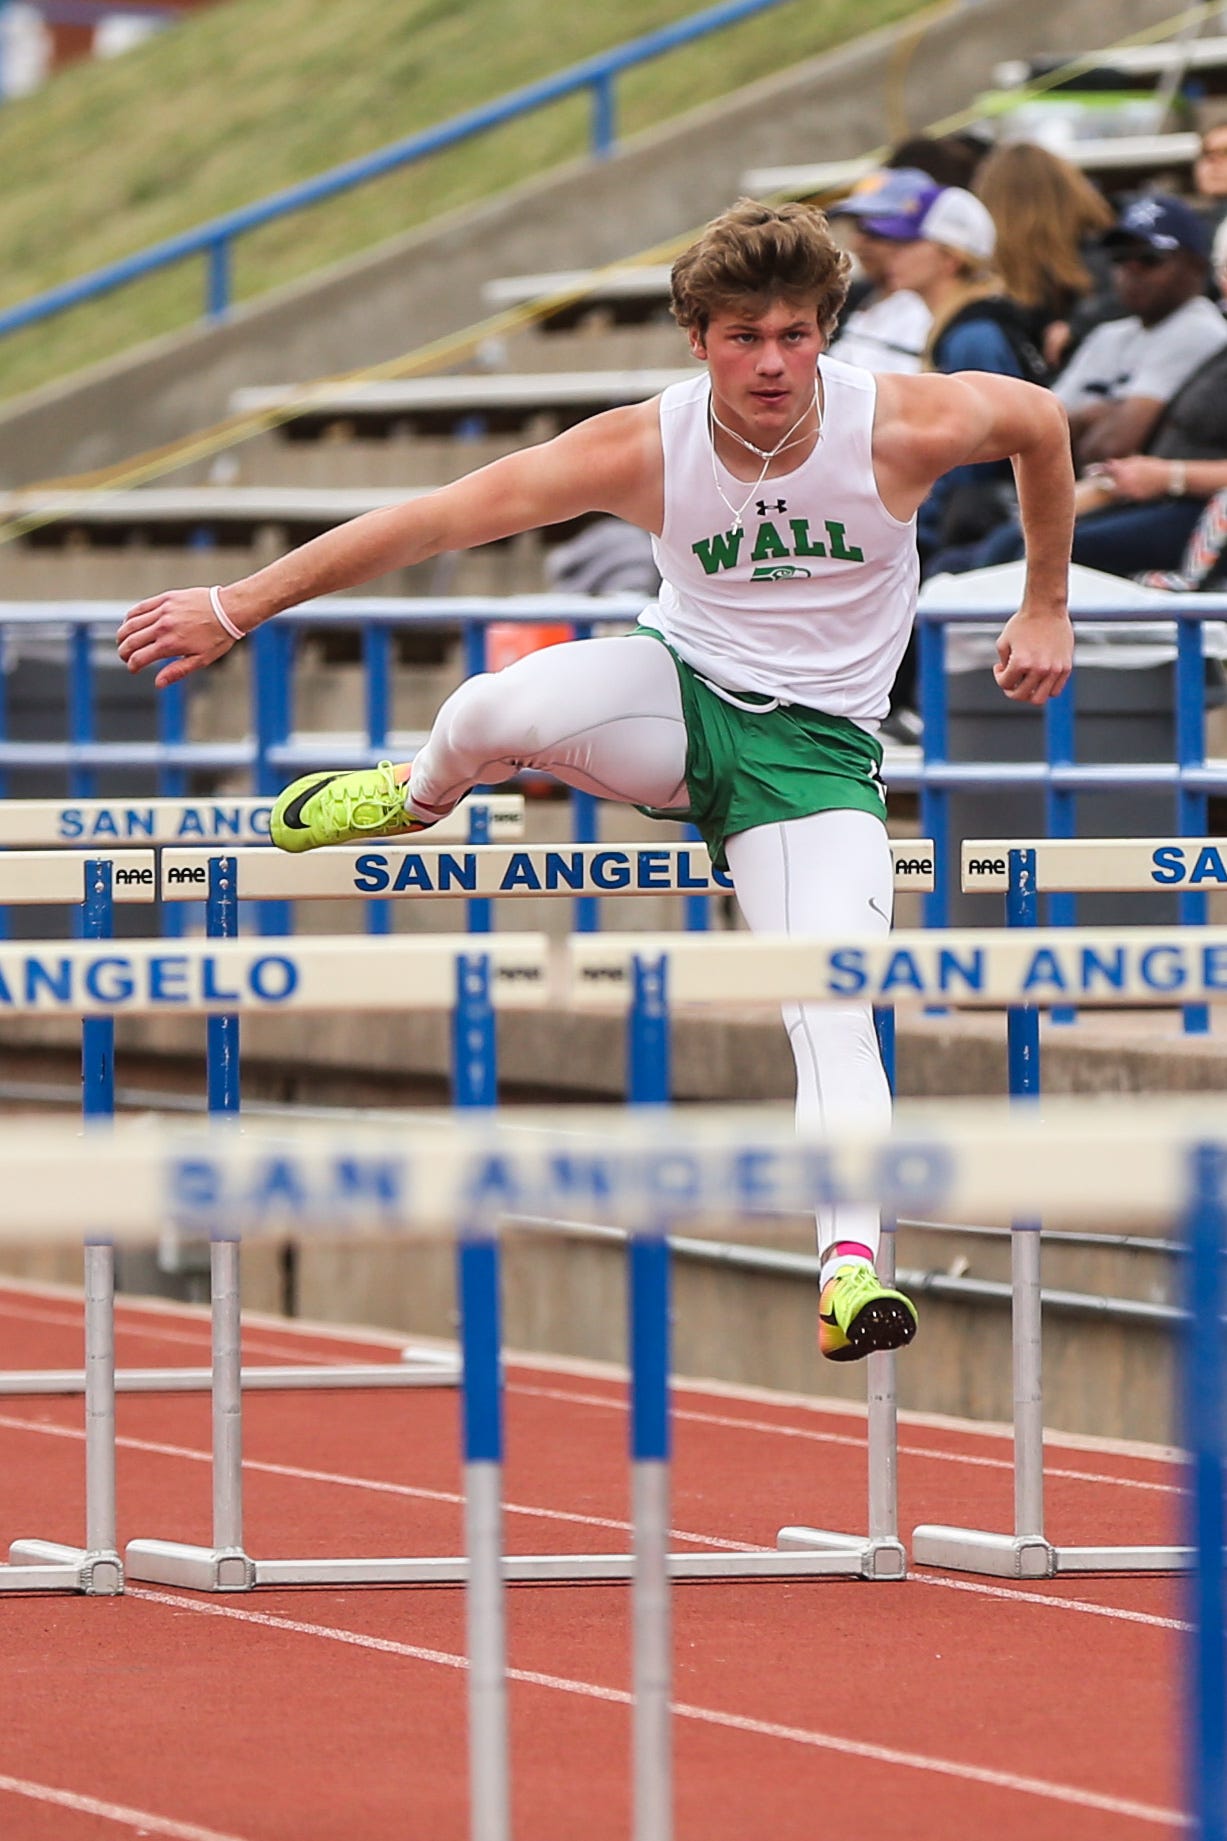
{"points": [[1022, 971], [230, 976], [147, 977], [388, 870], [104, 823], [95, 884], [967, 1156], [1023, 871]]}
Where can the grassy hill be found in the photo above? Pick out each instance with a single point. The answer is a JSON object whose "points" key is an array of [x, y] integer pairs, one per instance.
{"points": [[255, 95]]}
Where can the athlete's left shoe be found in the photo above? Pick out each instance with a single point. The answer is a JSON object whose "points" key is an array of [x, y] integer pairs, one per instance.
{"points": [[858, 1315], [341, 808]]}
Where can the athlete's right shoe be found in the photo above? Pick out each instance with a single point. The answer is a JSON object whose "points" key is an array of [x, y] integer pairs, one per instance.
{"points": [[858, 1315], [341, 808]]}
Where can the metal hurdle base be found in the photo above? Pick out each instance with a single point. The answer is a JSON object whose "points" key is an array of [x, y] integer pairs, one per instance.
{"points": [[46, 1566], [203, 1569], [415, 1369], [868, 1558], [1030, 1556]]}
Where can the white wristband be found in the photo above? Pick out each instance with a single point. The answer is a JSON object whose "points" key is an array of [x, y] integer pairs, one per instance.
{"points": [[223, 619]]}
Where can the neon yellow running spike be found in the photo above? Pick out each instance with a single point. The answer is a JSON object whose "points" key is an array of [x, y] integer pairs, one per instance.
{"points": [[857, 1315], [340, 808]]}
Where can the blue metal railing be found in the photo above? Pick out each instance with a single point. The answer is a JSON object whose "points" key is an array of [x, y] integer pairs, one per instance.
{"points": [[273, 751], [214, 240]]}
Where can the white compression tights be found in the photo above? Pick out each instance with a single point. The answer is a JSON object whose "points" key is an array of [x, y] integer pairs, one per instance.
{"points": [[605, 715]]}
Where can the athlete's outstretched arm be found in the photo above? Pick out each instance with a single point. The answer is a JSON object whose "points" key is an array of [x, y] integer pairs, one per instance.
{"points": [[944, 422], [610, 463]]}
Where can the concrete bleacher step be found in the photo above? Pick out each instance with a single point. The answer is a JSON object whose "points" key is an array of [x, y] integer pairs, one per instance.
{"points": [[598, 342], [645, 281], [1117, 156], [82, 571], [502, 400], [1205, 57], [193, 508], [394, 463]]}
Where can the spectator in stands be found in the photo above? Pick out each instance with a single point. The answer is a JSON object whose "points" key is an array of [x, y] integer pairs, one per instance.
{"points": [[1204, 563], [1125, 372], [608, 556], [951, 159], [1144, 480], [1049, 220], [1210, 174], [1218, 264], [891, 323], [781, 488], [886, 328], [1122, 388], [942, 241], [1137, 512]]}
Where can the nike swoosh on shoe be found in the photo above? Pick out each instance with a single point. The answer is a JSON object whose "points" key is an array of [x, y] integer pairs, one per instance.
{"points": [[291, 818]]}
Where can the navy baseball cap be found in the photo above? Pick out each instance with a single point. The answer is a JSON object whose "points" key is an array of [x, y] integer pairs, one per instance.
{"points": [[1160, 222]]}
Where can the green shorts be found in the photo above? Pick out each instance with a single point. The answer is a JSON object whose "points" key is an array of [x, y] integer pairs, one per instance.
{"points": [[747, 767]]}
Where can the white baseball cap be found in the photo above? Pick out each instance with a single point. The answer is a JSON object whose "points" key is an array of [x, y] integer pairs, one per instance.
{"points": [[957, 220]]}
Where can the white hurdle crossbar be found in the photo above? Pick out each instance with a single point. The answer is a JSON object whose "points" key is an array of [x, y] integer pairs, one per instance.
{"points": [[1021, 870], [102, 824]]}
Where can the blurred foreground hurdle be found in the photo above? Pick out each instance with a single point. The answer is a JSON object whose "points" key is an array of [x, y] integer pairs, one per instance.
{"points": [[650, 1172], [229, 976]]}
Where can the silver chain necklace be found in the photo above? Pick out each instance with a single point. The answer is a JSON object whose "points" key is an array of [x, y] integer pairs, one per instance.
{"points": [[766, 455]]}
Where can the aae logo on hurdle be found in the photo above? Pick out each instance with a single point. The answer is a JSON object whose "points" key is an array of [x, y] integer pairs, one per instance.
{"points": [[1080, 866]]}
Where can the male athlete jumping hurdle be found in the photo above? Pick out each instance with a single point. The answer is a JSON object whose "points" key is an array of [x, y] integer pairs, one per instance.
{"points": [[780, 488]]}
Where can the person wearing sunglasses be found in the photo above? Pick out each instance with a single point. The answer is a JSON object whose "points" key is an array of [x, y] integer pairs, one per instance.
{"points": [[1126, 371]]}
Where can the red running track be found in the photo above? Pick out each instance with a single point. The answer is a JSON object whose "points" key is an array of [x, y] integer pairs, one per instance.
{"points": [[936, 1708]]}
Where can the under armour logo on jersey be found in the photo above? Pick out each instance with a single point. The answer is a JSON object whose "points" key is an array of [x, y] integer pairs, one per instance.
{"points": [[762, 507]]}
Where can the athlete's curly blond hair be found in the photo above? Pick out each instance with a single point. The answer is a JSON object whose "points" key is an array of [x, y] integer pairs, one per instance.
{"points": [[756, 252]]}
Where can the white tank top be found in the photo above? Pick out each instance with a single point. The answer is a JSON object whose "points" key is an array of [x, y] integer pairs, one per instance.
{"points": [[812, 601]]}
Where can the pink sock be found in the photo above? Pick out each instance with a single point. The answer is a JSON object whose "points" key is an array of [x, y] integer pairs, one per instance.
{"points": [[843, 1253]]}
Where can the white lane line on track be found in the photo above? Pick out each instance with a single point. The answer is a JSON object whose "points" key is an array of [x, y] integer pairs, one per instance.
{"points": [[200, 1340], [730, 1422], [192, 1339], [139, 1820], [796, 1735], [300, 1474], [297, 1473], [1117, 1612]]}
